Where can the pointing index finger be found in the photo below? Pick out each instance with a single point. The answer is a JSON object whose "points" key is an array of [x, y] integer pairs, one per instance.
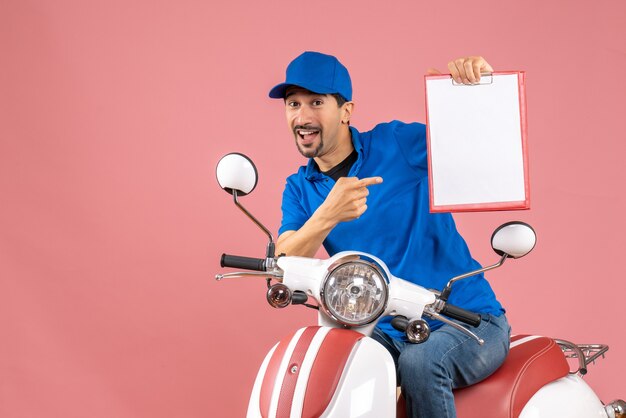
{"points": [[369, 181]]}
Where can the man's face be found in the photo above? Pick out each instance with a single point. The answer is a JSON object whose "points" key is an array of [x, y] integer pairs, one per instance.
{"points": [[315, 120]]}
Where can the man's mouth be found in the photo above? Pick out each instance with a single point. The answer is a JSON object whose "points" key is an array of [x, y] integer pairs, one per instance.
{"points": [[307, 135]]}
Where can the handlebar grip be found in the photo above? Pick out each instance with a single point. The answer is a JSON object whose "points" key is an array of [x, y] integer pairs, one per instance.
{"points": [[247, 263], [400, 323], [460, 314]]}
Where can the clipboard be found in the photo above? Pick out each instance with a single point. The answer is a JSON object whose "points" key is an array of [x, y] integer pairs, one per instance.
{"points": [[477, 143]]}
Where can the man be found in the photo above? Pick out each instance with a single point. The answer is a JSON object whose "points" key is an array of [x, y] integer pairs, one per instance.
{"points": [[339, 200]]}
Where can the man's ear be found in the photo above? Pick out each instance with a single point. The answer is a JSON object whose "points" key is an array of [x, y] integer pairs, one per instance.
{"points": [[346, 112]]}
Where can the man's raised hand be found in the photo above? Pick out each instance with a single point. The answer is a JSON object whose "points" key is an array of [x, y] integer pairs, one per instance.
{"points": [[466, 70], [347, 200]]}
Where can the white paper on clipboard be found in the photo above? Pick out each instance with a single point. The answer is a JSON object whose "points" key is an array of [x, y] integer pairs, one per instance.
{"points": [[477, 153]]}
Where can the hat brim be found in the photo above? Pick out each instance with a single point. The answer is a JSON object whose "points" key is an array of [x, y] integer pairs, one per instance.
{"points": [[279, 91]]}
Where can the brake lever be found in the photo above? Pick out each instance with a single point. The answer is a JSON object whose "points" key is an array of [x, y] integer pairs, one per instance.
{"points": [[241, 274], [434, 315]]}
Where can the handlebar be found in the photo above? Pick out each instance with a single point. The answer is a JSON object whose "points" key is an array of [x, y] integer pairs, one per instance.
{"points": [[247, 263], [400, 323], [460, 314], [470, 318]]}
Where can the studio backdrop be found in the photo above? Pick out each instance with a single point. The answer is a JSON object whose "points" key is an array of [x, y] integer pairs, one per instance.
{"points": [[112, 118]]}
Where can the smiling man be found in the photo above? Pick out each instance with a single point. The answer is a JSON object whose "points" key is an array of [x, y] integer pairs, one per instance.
{"points": [[313, 120], [339, 200]]}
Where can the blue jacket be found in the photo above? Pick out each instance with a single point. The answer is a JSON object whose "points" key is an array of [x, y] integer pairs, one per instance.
{"points": [[419, 246]]}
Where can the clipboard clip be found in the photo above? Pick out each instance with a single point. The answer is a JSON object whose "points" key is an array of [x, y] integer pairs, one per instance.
{"points": [[485, 79]]}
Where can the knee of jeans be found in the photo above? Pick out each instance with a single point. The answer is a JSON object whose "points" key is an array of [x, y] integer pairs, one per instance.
{"points": [[416, 361]]}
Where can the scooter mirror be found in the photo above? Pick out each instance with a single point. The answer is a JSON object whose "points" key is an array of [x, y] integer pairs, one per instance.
{"points": [[236, 172], [516, 239]]}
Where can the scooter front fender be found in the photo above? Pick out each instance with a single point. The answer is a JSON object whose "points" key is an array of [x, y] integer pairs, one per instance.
{"points": [[325, 372]]}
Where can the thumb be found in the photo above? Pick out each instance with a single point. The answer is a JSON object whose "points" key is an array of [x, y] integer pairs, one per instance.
{"points": [[433, 71]]}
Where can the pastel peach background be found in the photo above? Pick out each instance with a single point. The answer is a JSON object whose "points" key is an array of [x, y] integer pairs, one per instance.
{"points": [[113, 115]]}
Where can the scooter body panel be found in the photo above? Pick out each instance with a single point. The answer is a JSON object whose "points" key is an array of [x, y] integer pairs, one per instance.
{"points": [[254, 409], [569, 397], [366, 389], [325, 372]]}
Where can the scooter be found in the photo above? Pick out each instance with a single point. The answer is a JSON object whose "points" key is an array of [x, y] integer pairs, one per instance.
{"points": [[336, 370]]}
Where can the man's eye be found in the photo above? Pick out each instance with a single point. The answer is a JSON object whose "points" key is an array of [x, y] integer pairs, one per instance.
{"points": [[292, 104], [318, 103]]}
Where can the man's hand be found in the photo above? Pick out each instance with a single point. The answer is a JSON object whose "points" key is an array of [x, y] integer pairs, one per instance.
{"points": [[347, 200], [466, 70]]}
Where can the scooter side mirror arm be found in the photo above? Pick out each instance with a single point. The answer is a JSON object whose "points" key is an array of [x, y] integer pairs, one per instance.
{"points": [[445, 293], [270, 245]]}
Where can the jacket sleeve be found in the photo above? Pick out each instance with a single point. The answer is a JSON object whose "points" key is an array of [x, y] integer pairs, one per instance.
{"points": [[294, 215]]}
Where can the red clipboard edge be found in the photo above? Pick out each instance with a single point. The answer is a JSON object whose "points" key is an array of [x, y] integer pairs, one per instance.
{"points": [[484, 207]]}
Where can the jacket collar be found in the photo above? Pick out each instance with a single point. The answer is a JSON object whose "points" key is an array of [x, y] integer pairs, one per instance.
{"points": [[313, 173]]}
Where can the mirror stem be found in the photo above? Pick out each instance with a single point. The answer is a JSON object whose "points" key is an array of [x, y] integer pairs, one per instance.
{"points": [[270, 245], [445, 293]]}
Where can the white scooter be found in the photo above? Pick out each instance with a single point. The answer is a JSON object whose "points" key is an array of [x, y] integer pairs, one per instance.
{"points": [[336, 370]]}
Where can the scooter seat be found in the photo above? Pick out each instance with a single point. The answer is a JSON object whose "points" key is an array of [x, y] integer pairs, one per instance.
{"points": [[533, 362]]}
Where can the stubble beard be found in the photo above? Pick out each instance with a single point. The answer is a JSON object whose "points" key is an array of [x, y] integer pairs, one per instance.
{"points": [[309, 151]]}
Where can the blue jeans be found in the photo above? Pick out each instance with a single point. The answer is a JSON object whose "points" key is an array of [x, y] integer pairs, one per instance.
{"points": [[428, 372]]}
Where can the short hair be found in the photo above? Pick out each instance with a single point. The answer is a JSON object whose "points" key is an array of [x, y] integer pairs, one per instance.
{"points": [[340, 99]]}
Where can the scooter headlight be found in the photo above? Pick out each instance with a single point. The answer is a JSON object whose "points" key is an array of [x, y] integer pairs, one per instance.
{"points": [[354, 292]]}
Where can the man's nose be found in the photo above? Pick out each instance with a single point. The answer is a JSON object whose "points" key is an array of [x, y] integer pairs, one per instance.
{"points": [[303, 116]]}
